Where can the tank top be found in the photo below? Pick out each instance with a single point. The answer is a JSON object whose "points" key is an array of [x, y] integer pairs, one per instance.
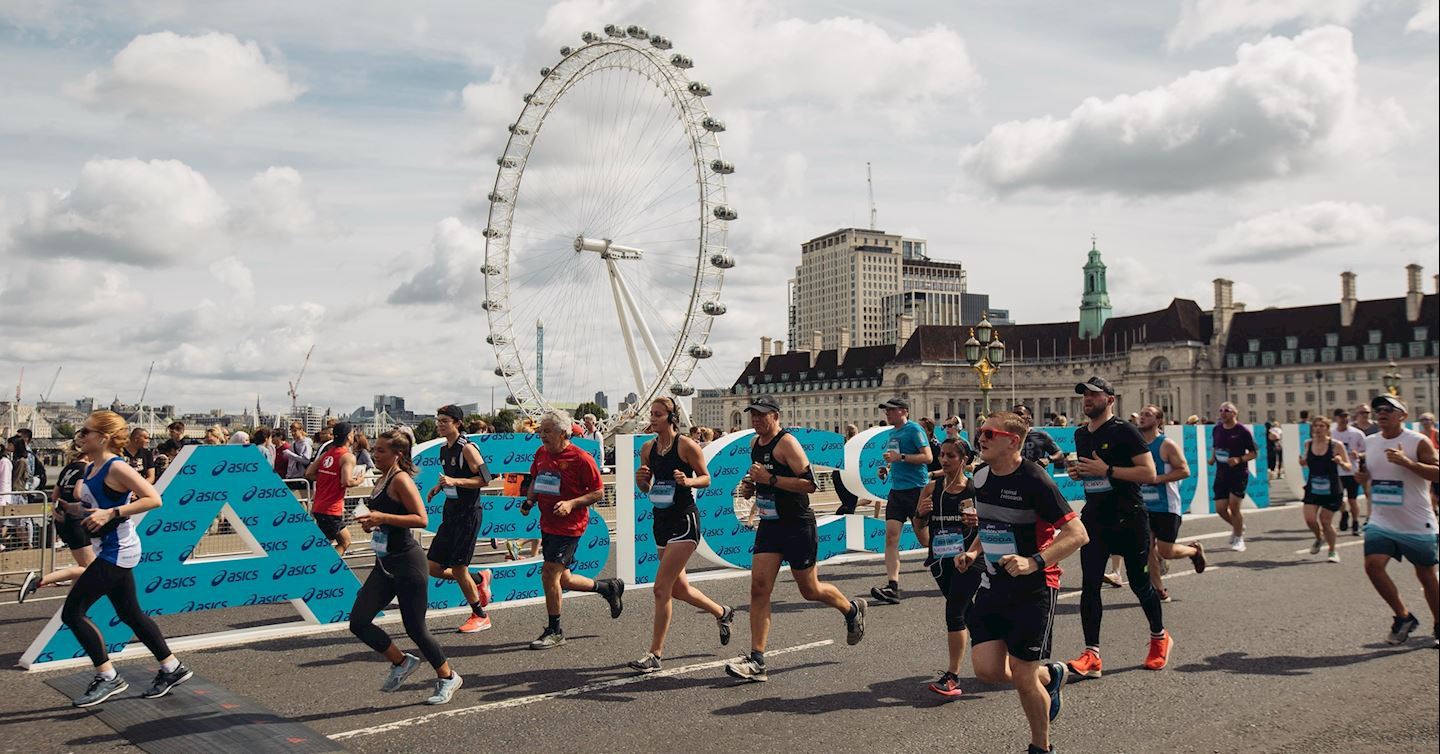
{"points": [[1324, 478], [1399, 498], [329, 490], [389, 540], [665, 495], [1161, 498], [117, 543], [948, 534], [66, 492], [452, 463], [773, 503]]}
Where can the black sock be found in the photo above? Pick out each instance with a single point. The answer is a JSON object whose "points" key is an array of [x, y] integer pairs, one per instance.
{"points": [[757, 656], [476, 609], [602, 587], [854, 611], [894, 586], [555, 624]]}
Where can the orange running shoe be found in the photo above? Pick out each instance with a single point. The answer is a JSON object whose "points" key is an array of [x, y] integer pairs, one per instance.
{"points": [[475, 624], [484, 586], [1087, 665], [1159, 652]]}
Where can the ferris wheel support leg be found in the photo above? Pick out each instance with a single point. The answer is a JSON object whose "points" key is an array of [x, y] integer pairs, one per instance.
{"points": [[640, 322], [624, 327]]}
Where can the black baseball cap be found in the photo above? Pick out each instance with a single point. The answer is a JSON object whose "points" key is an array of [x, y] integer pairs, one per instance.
{"points": [[451, 410], [1388, 401], [764, 404], [896, 403], [1094, 385]]}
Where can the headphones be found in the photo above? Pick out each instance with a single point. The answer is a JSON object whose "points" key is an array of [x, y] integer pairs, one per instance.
{"points": [[672, 416]]}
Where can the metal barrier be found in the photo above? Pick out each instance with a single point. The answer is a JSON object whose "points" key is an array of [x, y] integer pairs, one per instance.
{"points": [[25, 535]]}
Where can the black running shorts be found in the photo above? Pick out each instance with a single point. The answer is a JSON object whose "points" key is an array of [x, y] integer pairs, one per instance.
{"points": [[680, 526], [558, 548], [330, 526], [1021, 616], [454, 542], [73, 533], [901, 505], [796, 540], [1165, 526]]}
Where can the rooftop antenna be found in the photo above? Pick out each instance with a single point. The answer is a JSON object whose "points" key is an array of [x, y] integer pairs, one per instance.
{"points": [[870, 183]]}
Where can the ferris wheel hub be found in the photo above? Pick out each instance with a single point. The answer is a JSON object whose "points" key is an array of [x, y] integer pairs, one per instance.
{"points": [[606, 248]]}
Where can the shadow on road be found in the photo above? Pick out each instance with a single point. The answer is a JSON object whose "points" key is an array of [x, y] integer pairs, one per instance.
{"points": [[1242, 663], [901, 692]]}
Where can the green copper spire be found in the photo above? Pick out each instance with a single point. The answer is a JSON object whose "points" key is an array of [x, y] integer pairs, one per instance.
{"points": [[1095, 302]]}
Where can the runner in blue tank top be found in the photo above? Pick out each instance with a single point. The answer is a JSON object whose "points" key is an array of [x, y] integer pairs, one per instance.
{"points": [[1162, 499]]}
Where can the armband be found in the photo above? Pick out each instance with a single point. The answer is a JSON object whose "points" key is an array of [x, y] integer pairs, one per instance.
{"points": [[809, 475]]}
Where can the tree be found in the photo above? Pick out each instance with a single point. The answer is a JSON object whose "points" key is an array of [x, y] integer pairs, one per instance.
{"points": [[64, 429], [590, 407], [502, 421], [424, 431]]}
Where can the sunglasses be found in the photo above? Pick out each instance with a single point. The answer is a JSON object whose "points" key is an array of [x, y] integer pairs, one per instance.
{"points": [[948, 425], [1386, 410], [991, 434], [83, 431]]}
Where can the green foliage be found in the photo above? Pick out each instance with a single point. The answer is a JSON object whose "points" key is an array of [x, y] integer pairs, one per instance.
{"points": [[424, 431], [589, 407]]}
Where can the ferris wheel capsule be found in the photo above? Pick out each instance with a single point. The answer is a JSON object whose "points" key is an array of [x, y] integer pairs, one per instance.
{"points": [[713, 308], [496, 340], [701, 352], [681, 61], [713, 125], [589, 37], [698, 89], [722, 260], [723, 212], [637, 32], [491, 233], [615, 30], [722, 167], [682, 389], [495, 196], [659, 42], [566, 50], [503, 372], [491, 305], [491, 270]]}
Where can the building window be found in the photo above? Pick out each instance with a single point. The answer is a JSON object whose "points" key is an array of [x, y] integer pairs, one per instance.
{"points": [[1269, 397], [1287, 357], [1288, 378], [1332, 339], [1254, 345], [1327, 355], [1421, 333], [1374, 336], [1250, 399], [1289, 397], [1249, 381], [1231, 361], [1269, 379], [1267, 359], [1309, 396], [1351, 396], [1417, 350], [1307, 356], [1292, 342], [1249, 360], [1393, 350], [1372, 353], [1330, 397], [1348, 353]]}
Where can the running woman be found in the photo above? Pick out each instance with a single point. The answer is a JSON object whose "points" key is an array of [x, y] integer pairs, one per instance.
{"points": [[781, 480], [953, 526], [1112, 461], [1162, 499], [1026, 529], [1232, 447], [907, 450], [674, 466], [400, 574], [565, 484], [114, 493], [1399, 465], [333, 473], [1325, 458], [69, 517], [462, 474], [1354, 442]]}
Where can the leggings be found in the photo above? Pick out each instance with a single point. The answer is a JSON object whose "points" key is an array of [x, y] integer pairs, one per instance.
{"points": [[406, 576], [959, 590], [1128, 537], [105, 579]]}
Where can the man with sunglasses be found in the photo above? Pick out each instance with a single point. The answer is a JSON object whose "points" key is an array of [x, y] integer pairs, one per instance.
{"points": [[1113, 461], [907, 450], [1354, 442], [1399, 466]]}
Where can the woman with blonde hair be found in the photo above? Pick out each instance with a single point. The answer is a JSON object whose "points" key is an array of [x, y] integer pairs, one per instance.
{"points": [[214, 435], [69, 516]]}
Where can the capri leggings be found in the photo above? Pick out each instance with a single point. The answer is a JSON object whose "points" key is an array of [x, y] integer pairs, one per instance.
{"points": [[405, 576], [959, 590], [105, 579]]}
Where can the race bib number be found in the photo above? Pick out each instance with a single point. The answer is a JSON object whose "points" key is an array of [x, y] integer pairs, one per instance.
{"points": [[380, 542], [1320, 485], [1222, 456], [996, 542], [662, 494], [1387, 492], [1153, 495], [893, 445], [1096, 484], [547, 483], [947, 544], [765, 506], [452, 493]]}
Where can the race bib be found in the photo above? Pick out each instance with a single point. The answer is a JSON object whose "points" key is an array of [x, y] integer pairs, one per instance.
{"points": [[1222, 456], [765, 506], [1387, 492], [662, 494], [893, 445], [547, 483], [1320, 485], [947, 544], [1097, 484], [996, 541], [1153, 495], [380, 542], [452, 493]]}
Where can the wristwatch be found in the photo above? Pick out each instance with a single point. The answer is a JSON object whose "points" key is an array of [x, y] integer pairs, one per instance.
{"points": [[1039, 561], [1109, 472]]}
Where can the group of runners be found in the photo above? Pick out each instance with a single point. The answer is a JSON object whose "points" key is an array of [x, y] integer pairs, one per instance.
{"points": [[994, 524]]}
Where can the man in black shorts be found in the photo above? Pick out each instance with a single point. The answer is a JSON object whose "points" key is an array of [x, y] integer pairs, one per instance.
{"points": [[780, 481], [462, 475], [1026, 529], [907, 451]]}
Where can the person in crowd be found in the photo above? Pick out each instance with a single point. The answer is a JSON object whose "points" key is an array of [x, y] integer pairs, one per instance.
{"points": [[360, 445], [69, 518], [262, 441], [214, 435]]}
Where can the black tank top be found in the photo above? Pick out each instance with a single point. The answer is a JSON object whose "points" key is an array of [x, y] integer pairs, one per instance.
{"points": [[1322, 466], [662, 470], [945, 513], [65, 481], [397, 539], [452, 464], [790, 506]]}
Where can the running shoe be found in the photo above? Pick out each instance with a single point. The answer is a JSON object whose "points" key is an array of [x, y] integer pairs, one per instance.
{"points": [[398, 673], [165, 681], [885, 594], [1334, 557], [1232, 540], [645, 665], [485, 577], [747, 669], [1315, 547], [1159, 652], [948, 685], [548, 640], [1355, 529], [1344, 520], [1055, 686], [445, 688], [1400, 629], [855, 627], [1112, 580], [614, 589], [1198, 559], [1087, 665], [1033, 749], [1239, 545], [99, 690], [28, 587], [475, 624], [727, 617]]}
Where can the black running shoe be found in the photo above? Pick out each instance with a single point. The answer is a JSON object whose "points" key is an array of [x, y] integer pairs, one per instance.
{"points": [[885, 594], [28, 587], [727, 617], [99, 690], [1344, 520], [614, 589], [855, 627], [1055, 686], [1400, 629], [165, 681]]}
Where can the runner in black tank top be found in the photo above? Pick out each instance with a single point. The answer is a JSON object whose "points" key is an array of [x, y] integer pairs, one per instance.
{"points": [[462, 474], [673, 466], [400, 574], [781, 481], [69, 516], [1324, 494], [947, 500]]}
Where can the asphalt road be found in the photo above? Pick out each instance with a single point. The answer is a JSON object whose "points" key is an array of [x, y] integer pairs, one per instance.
{"points": [[1276, 651]]}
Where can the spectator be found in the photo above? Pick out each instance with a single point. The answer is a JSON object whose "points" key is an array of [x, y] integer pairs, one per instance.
{"points": [[38, 478], [138, 454], [361, 446], [477, 427], [239, 437], [214, 435], [281, 442], [170, 447], [592, 429], [261, 439], [1274, 449]]}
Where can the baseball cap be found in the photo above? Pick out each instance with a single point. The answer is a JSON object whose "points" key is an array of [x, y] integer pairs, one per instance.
{"points": [[764, 404], [896, 403], [451, 411], [1094, 385], [1388, 401]]}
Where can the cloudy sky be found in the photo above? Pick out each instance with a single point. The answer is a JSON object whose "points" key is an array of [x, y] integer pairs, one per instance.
{"points": [[217, 187]]}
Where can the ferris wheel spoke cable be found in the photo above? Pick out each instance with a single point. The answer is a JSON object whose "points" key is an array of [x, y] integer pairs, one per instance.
{"points": [[664, 195], [631, 189]]}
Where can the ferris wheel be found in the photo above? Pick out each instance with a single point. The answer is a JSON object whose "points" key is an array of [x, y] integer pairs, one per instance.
{"points": [[606, 241]]}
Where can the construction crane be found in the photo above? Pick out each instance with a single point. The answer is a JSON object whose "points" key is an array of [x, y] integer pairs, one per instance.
{"points": [[146, 388], [295, 385], [45, 396], [148, 413]]}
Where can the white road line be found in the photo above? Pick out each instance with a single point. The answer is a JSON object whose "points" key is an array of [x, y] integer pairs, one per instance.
{"points": [[1351, 543], [1208, 569], [524, 700]]}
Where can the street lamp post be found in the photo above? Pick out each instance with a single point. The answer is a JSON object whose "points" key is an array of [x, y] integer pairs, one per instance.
{"points": [[1392, 379], [986, 353]]}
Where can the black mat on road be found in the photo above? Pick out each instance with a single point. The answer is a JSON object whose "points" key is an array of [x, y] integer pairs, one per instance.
{"points": [[197, 717]]}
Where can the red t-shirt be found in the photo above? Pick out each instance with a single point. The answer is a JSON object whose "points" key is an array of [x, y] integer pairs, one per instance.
{"points": [[329, 490], [563, 476], [282, 464]]}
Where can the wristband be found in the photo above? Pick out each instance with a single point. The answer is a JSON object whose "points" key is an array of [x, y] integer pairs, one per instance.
{"points": [[1039, 560], [1109, 472]]}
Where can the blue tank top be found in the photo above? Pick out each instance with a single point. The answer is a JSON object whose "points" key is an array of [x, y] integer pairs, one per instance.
{"points": [[1160, 498], [117, 543]]}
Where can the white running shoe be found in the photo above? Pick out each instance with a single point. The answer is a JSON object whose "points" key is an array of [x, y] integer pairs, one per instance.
{"points": [[1239, 545]]}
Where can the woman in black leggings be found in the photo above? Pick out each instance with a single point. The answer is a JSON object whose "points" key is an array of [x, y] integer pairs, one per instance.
{"points": [[394, 508], [953, 526]]}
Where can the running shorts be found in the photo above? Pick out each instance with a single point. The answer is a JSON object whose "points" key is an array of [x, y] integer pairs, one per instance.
{"points": [[796, 540], [1420, 549], [1165, 526], [1352, 487], [1229, 484], [73, 533], [558, 548], [330, 526], [680, 526], [454, 542], [901, 505], [1019, 615]]}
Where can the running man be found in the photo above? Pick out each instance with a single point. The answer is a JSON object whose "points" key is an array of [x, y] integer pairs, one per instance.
{"points": [[1325, 458], [1039, 446], [1399, 465], [953, 528], [462, 474], [69, 517], [114, 493], [565, 484], [1354, 442], [1162, 499], [674, 466], [1112, 461], [1232, 447], [780, 481], [1026, 529], [394, 508], [333, 473], [907, 450]]}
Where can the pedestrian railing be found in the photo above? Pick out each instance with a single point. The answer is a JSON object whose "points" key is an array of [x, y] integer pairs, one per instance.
{"points": [[25, 534]]}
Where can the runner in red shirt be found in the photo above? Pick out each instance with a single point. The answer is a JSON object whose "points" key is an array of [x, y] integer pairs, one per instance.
{"points": [[565, 483], [333, 473]]}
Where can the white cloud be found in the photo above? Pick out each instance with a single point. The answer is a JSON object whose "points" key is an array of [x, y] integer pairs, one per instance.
{"points": [[276, 205], [1298, 231], [1202, 19], [453, 275], [235, 341], [66, 293], [1286, 106], [1426, 19], [209, 77], [129, 211], [231, 273]]}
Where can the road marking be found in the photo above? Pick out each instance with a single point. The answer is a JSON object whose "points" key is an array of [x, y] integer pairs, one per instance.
{"points": [[1351, 543], [1209, 569], [524, 700]]}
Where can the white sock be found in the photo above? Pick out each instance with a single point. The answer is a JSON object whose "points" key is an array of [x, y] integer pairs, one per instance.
{"points": [[108, 675], [169, 665]]}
